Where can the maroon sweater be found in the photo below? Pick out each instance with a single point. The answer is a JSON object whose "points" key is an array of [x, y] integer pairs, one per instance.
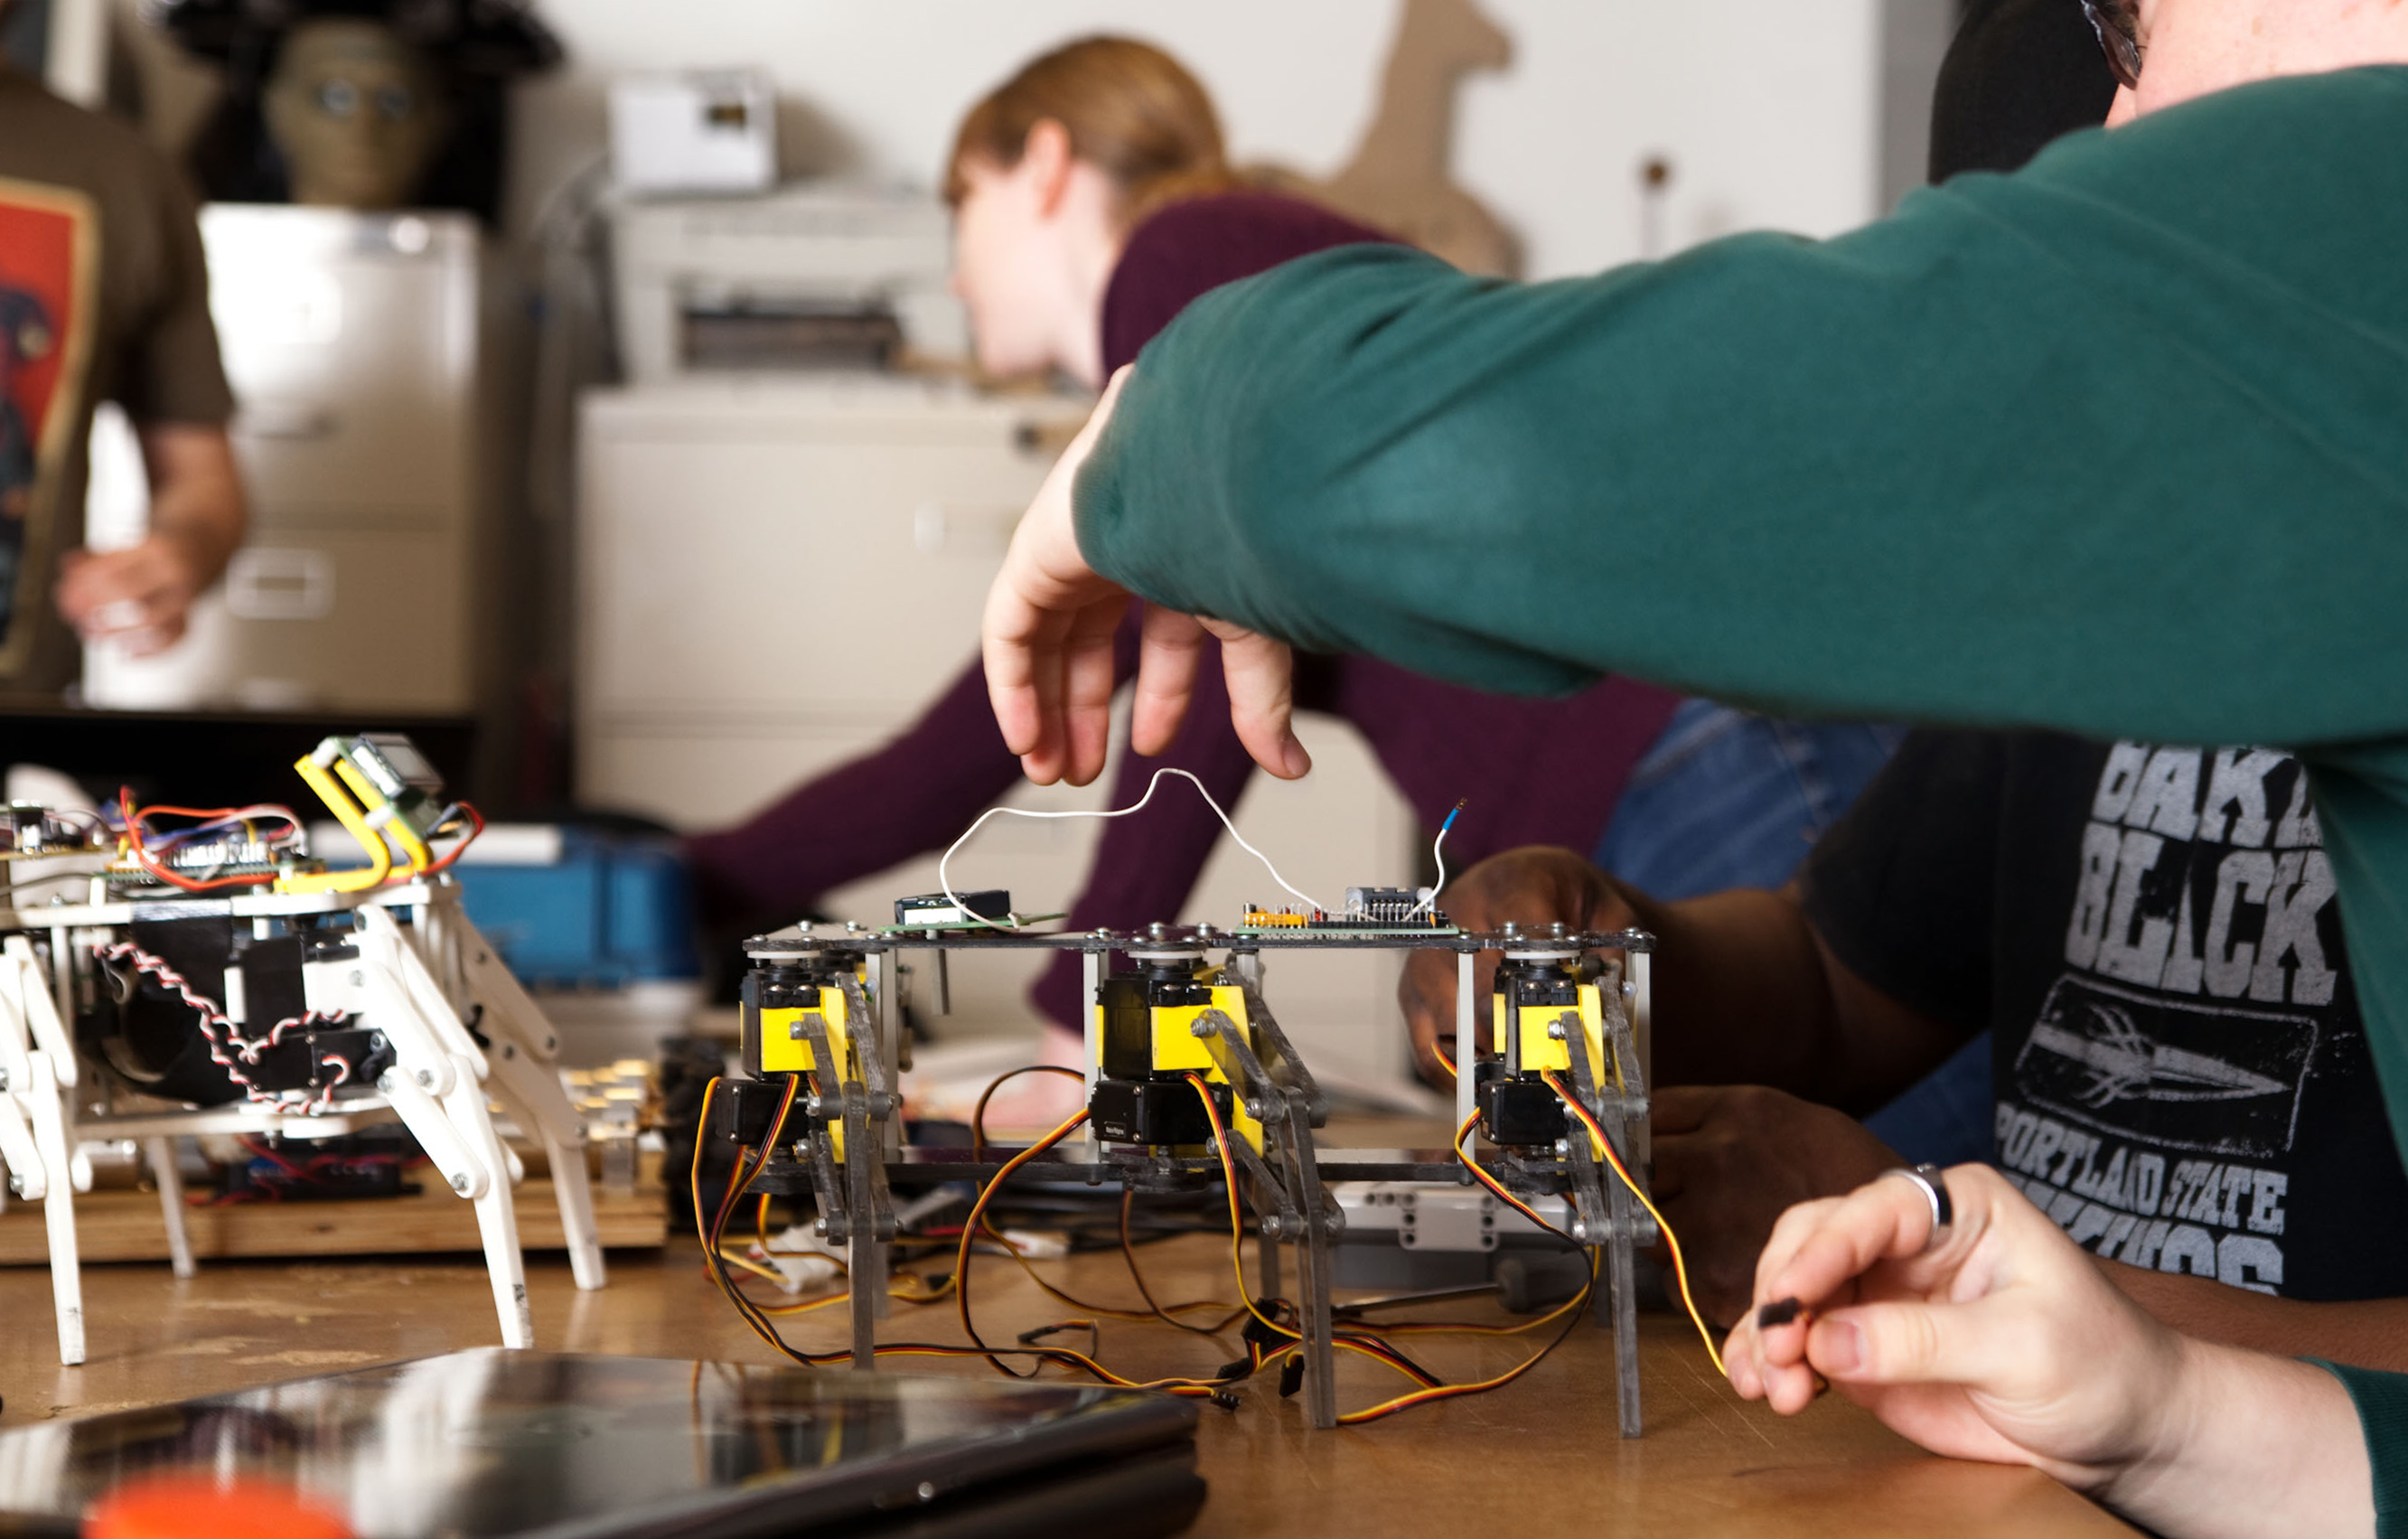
{"points": [[1528, 771]]}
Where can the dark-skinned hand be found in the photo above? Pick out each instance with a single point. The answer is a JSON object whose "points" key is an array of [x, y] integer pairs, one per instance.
{"points": [[1533, 886], [1729, 1160]]}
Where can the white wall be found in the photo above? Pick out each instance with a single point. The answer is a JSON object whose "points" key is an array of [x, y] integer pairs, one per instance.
{"points": [[1769, 110]]}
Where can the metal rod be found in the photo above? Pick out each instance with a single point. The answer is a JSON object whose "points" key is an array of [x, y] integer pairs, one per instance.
{"points": [[1467, 1044], [1091, 975]]}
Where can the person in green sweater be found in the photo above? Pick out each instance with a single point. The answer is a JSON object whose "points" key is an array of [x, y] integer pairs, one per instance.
{"points": [[2117, 445]]}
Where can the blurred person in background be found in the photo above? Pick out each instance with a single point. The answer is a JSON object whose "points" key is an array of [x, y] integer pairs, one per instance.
{"points": [[103, 296], [1093, 201]]}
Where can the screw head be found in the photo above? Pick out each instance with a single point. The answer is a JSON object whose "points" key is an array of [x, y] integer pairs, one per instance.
{"points": [[819, 1227], [1557, 928], [425, 1077], [1509, 928], [1563, 1145], [461, 1183], [1554, 1030], [359, 978], [1580, 1230]]}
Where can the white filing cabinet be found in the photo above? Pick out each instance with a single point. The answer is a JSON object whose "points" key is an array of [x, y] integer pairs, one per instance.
{"points": [[361, 355], [775, 576]]}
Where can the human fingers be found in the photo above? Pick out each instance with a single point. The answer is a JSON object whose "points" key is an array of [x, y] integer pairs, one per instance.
{"points": [[1819, 1249], [1741, 1364], [1261, 673], [1041, 605], [1087, 683], [1534, 885], [1820, 1255], [1170, 649], [88, 583], [1771, 1339], [1021, 646], [1914, 1342], [1996, 1244], [132, 596]]}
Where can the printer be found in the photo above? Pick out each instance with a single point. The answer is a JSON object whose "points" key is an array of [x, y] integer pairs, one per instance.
{"points": [[811, 277]]}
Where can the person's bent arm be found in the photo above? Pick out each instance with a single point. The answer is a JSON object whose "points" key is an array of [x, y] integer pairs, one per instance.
{"points": [[1998, 1340], [1922, 471], [143, 595], [2371, 1332], [1746, 992]]}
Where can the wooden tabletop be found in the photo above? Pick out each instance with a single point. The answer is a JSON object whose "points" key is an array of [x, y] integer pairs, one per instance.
{"points": [[1541, 1450]]}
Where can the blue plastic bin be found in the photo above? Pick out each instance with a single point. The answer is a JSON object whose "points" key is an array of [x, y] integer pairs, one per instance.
{"points": [[612, 911]]}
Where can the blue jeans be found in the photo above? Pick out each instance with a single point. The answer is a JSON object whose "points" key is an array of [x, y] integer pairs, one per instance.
{"points": [[1728, 799]]}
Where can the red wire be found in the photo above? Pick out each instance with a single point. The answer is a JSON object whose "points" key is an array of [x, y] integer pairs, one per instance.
{"points": [[133, 820], [477, 825]]}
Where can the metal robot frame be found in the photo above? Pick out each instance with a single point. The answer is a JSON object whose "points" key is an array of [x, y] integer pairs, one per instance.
{"points": [[1238, 1044]]}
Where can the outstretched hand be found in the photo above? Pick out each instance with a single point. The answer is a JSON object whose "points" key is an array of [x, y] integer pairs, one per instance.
{"points": [[1047, 638], [2004, 1342], [140, 597]]}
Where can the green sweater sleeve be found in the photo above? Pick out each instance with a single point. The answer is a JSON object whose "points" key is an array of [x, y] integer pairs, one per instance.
{"points": [[2381, 1401], [2088, 447], [2117, 445]]}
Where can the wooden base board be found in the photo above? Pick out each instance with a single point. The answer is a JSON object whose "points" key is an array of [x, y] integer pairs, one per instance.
{"points": [[124, 1225]]}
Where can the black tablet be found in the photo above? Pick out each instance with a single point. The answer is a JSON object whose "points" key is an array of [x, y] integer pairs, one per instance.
{"points": [[488, 1444]]}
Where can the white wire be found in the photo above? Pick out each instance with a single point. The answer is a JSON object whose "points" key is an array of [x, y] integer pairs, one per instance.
{"points": [[943, 861], [1437, 853]]}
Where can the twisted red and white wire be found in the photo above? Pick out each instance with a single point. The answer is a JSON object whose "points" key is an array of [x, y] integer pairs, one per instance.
{"points": [[214, 1020]]}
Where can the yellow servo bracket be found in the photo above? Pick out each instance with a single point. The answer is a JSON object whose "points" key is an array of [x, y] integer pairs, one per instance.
{"points": [[785, 1047], [1178, 1048], [1542, 1051]]}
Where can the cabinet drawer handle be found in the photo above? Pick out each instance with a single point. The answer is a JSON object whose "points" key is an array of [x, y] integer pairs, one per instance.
{"points": [[279, 583], [284, 420]]}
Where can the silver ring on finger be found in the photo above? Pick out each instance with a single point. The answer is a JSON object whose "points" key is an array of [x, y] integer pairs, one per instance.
{"points": [[1935, 1191]]}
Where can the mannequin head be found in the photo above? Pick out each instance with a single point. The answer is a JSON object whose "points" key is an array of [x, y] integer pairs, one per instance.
{"points": [[356, 111], [1049, 174]]}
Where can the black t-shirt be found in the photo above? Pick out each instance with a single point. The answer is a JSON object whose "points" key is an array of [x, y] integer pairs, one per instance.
{"points": [[2181, 1076]]}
